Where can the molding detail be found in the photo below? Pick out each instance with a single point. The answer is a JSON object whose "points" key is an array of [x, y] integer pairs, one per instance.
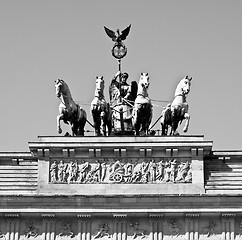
{"points": [[47, 215], [119, 215], [11, 215], [153, 215], [228, 215], [192, 215], [84, 215]]}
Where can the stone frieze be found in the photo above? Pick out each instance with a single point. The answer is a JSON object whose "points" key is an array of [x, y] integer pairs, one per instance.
{"points": [[127, 228], [120, 171]]}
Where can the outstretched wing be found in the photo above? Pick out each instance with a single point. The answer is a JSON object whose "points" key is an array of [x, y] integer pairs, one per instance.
{"points": [[125, 33], [110, 33]]}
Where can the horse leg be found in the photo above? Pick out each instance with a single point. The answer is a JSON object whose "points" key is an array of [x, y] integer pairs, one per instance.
{"points": [[187, 118], [82, 124], [137, 128], [164, 129], [59, 118], [97, 126], [96, 119], [74, 129], [103, 123]]}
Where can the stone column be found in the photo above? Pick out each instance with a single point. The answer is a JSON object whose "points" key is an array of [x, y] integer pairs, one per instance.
{"points": [[228, 232], [156, 223], [48, 226], [192, 226], [84, 227], [12, 226], [120, 227]]}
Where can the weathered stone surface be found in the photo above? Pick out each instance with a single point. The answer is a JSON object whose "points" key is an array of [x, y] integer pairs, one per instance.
{"points": [[35, 204], [121, 165]]}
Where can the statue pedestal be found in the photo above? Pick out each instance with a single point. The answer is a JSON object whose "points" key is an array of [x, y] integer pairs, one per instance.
{"points": [[151, 165]]}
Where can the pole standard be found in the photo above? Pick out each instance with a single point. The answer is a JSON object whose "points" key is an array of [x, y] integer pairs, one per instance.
{"points": [[119, 51], [121, 113]]}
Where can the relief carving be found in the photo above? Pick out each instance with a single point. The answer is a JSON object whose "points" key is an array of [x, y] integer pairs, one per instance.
{"points": [[121, 171], [30, 231], [65, 229], [210, 229], [240, 229], [103, 230], [53, 172], [2, 236], [175, 229], [137, 231]]}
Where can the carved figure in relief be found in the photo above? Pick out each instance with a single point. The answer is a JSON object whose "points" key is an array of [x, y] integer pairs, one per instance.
{"points": [[91, 177], [53, 172], [2, 236], [188, 178], [128, 172], [136, 176], [170, 171], [117, 172], [72, 171], [175, 113], [182, 171], [103, 170], [83, 169], [65, 229], [210, 229], [62, 171], [174, 228], [160, 170], [98, 171], [31, 231], [103, 230], [144, 172], [70, 112], [152, 171], [240, 229], [137, 231], [142, 112]]}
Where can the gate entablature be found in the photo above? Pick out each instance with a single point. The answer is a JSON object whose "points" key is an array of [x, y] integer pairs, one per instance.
{"points": [[118, 165]]}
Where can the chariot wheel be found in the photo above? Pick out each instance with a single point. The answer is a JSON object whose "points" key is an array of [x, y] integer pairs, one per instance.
{"points": [[117, 177]]}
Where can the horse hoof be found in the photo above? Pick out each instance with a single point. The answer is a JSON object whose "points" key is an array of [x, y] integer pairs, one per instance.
{"points": [[59, 130], [185, 130]]}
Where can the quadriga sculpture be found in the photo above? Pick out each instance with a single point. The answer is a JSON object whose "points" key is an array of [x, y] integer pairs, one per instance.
{"points": [[100, 110], [70, 112], [142, 112], [177, 111]]}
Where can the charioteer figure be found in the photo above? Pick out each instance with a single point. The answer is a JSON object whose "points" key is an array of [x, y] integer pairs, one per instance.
{"points": [[122, 97], [121, 91]]}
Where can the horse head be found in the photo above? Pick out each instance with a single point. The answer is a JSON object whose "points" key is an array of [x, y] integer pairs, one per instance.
{"points": [[144, 81], [184, 86], [58, 86], [99, 86]]}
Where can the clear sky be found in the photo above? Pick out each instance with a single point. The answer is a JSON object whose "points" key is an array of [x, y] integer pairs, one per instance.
{"points": [[41, 41]]}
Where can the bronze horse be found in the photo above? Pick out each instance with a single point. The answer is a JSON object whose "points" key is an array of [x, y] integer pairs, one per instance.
{"points": [[70, 112], [100, 110], [177, 111], [142, 112]]}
